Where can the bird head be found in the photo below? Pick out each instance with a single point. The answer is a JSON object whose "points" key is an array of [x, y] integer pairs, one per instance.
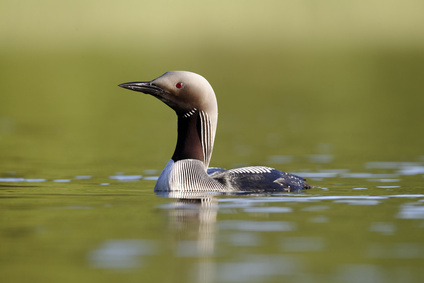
{"points": [[182, 91]]}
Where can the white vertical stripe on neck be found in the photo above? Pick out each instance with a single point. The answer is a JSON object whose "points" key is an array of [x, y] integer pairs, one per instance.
{"points": [[207, 136]]}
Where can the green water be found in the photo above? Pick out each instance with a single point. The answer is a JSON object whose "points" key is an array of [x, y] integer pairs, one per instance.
{"points": [[331, 94], [78, 155]]}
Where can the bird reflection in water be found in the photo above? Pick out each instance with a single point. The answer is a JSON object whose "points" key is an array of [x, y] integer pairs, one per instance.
{"points": [[193, 217]]}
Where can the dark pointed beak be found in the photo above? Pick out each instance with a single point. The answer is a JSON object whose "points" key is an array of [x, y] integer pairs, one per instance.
{"points": [[144, 87]]}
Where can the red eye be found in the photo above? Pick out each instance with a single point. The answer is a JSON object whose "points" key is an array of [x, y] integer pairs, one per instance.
{"points": [[179, 85]]}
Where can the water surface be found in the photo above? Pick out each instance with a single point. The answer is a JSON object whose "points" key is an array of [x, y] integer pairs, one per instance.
{"points": [[357, 226]]}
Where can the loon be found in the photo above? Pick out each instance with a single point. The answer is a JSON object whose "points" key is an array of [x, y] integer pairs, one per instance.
{"points": [[192, 98]]}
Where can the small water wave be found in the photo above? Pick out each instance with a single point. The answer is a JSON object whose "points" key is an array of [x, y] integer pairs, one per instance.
{"points": [[121, 253], [22, 180]]}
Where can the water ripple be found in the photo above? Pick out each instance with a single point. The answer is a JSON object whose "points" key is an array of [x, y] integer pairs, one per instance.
{"points": [[268, 209], [126, 177], [411, 211], [118, 254], [263, 226]]}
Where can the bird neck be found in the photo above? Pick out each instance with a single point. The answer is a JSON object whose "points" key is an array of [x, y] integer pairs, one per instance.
{"points": [[196, 135]]}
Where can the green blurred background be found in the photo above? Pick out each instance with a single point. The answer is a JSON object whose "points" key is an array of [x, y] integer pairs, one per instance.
{"points": [[319, 85], [291, 77]]}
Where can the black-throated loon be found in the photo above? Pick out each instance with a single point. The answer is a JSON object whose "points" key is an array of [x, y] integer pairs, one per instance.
{"points": [[192, 98]]}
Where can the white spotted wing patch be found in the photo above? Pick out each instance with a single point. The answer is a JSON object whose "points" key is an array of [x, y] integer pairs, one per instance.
{"points": [[251, 170]]}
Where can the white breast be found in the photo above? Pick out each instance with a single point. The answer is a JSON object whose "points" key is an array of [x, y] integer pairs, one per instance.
{"points": [[186, 175]]}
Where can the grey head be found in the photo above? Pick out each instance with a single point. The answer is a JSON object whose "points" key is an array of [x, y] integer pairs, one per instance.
{"points": [[192, 98], [181, 90]]}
